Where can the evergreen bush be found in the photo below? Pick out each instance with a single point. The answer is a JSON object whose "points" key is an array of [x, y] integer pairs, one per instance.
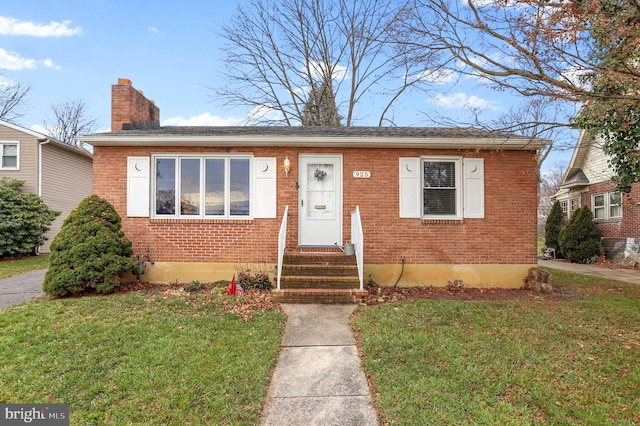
{"points": [[579, 240], [553, 227], [91, 251], [24, 219]]}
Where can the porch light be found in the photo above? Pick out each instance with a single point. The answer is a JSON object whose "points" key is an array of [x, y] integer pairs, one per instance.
{"points": [[287, 166]]}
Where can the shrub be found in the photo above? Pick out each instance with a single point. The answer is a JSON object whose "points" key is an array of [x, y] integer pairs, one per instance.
{"points": [[24, 219], [253, 280], [91, 251], [553, 227], [579, 240]]}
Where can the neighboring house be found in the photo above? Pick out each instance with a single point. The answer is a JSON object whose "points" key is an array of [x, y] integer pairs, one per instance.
{"points": [[451, 204], [587, 182], [59, 173]]}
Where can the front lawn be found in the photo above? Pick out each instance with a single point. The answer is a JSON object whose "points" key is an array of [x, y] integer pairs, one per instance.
{"points": [[170, 359], [9, 268], [507, 362]]}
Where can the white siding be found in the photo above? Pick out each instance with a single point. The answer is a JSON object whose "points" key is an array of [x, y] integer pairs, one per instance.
{"points": [[596, 167]]}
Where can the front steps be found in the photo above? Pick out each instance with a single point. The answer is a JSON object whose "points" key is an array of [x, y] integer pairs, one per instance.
{"points": [[319, 278]]}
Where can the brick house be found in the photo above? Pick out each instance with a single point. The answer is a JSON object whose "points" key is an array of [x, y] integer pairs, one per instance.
{"points": [[421, 205], [58, 173], [587, 182]]}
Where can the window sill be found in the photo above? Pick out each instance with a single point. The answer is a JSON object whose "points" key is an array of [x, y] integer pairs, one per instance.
{"points": [[610, 219], [442, 221]]}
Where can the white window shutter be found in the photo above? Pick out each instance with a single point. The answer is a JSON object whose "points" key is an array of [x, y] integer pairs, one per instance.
{"points": [[410, 187], [473, 187], [265, 189], [138, 186]]}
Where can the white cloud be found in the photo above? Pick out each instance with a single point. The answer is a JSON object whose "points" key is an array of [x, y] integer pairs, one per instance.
{"points": [[264, 112], [14, 62], [438, 76], [318, 71], [575, 76], [154, 30], [462, 100], [257, 114], [204, 119], [49, 64], [5, 82], [39, 128], [16, 27]]}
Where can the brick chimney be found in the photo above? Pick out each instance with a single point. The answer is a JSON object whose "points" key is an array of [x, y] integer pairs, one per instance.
{"points": [[130, 109]]}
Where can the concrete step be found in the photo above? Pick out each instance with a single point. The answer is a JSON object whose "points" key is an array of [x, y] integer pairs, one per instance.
{"points": [[298, 295], [318, 282]]}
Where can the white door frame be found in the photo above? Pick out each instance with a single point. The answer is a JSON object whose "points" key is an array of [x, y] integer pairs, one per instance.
{"points": [[320, 225]]}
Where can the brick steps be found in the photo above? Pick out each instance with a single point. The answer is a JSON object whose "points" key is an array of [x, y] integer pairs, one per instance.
{"points": [[319, 278], [317, 295]]}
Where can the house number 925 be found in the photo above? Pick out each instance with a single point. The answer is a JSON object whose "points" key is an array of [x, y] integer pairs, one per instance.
{"points": [[362, 174]]}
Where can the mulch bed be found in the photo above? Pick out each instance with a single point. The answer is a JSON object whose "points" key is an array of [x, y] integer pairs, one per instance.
{"points": [[378, 295]]}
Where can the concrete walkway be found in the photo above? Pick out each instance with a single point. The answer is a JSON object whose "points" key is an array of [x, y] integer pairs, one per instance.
{"points": [[21, 288], [318, 379], [626, 275]]}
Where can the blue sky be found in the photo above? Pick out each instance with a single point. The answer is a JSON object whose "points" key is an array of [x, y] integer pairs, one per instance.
{"points": [[76, 49]]}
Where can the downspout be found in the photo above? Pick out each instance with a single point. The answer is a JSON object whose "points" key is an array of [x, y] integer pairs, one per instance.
{"points": [[42, 142]]}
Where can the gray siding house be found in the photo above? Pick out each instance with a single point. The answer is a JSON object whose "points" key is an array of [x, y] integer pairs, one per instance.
{"points": [[59, 173]]}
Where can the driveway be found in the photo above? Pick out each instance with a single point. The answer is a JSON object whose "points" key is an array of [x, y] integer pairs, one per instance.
{"points": [[21, 288]]}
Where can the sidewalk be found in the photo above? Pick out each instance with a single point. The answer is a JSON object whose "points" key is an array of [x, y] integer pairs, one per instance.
{"points": [[318, 379], [626, 275]]}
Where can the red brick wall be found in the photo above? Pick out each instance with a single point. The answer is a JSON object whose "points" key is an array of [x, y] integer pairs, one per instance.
{"points": [[506, 235], [129, 106], [626, 227]]}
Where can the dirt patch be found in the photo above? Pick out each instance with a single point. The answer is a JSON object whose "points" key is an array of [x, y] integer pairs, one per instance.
{"points": [[254, 301], [378, 295]]}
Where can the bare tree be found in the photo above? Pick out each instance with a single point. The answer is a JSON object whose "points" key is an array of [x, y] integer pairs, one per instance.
{"points": [[531, 47], [550, 182], [71, 120], [277, 52], [12, 99]]}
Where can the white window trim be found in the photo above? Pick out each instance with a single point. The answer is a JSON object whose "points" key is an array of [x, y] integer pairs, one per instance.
{"points": [[2, 144], [179, 156], [566, 205], [606, 207], [458, 182]]}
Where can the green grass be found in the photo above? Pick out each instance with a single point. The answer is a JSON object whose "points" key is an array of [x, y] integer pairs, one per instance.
{"points": [[516, 363], [139, 359], [9, 268]]}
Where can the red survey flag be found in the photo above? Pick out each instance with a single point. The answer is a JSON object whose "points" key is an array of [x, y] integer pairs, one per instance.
{"points": [[232, 287]]}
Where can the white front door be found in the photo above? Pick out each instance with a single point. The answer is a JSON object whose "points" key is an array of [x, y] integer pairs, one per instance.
{"points": [[320, 200]]}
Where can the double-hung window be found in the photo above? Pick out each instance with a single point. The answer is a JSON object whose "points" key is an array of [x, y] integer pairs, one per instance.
{"points": [[441, 191], [9, 155], [441, 188], [607, 206], [202, 186]]}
